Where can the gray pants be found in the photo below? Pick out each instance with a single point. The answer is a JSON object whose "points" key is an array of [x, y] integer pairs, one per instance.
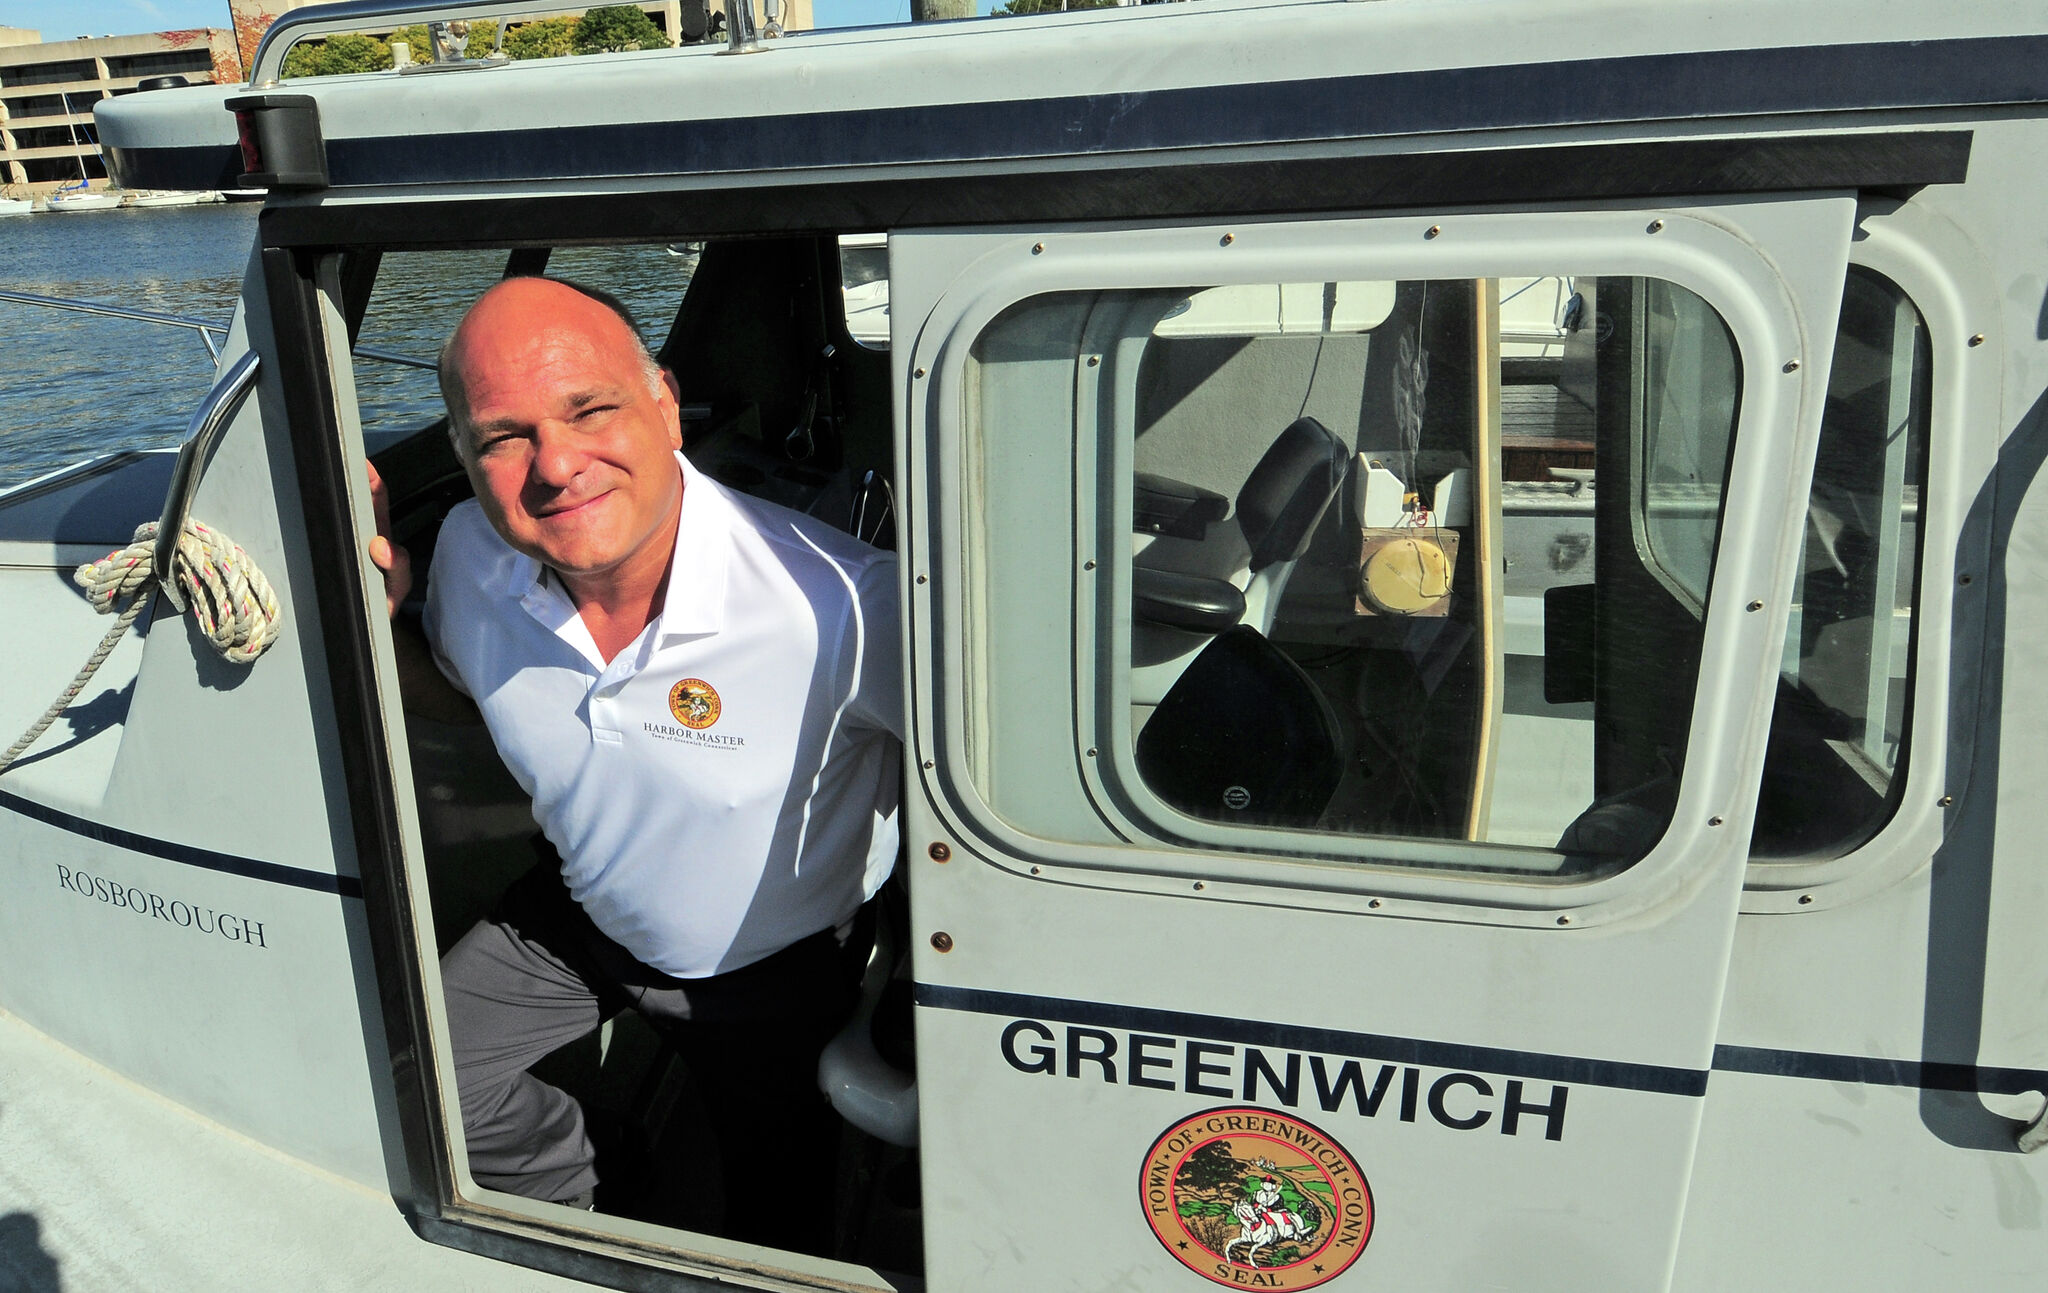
{"points": [[537, 974]]}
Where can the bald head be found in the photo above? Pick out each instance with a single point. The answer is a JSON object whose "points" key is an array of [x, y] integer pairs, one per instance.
{"points": [[525, 307]]}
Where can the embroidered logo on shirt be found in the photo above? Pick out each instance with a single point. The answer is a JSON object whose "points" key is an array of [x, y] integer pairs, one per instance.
{"points": [[695, 703]]}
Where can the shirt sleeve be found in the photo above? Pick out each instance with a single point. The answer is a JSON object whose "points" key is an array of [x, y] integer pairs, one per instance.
{"points": [[878, 659]]}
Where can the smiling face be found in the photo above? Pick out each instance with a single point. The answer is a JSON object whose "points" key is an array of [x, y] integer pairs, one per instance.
{"points": [[570, 445]]}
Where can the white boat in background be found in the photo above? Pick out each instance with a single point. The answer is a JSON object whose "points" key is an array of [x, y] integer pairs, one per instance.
{"points": [[82, 199], [16, 206], [172, 197]]}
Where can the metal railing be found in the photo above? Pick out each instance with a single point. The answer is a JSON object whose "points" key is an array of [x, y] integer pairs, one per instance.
{"points": [[207, 331]]}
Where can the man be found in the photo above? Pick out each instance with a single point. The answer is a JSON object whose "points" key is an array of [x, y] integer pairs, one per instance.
{"points": [[701, 692]]}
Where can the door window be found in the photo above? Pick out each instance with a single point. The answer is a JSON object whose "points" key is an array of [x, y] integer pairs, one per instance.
{"points": [[1383, 566], [1838, 732]]}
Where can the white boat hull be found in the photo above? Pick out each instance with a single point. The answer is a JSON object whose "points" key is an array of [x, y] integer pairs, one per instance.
{"points": [[97, 201], [182, 198]]}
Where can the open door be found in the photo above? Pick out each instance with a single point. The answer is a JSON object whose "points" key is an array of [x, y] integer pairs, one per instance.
{"points": [[1342, 653]]}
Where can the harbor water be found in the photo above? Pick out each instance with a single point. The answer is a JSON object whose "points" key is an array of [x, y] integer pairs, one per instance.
{"points": [[76, 386]]}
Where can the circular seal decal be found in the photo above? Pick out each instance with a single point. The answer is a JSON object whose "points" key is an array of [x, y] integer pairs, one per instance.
{"points": [[1250, 1198], [694, 702]]}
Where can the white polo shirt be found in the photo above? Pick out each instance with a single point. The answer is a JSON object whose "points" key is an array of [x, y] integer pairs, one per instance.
{"points": [[727, 784]]}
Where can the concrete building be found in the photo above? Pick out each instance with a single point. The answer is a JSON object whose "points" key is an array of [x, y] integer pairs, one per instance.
{"points": [[48, 89], [679, 20]]}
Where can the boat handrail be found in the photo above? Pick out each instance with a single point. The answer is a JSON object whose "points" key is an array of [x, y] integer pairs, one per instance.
{"points": [[205, 330], [266, 70], [208, 421]]}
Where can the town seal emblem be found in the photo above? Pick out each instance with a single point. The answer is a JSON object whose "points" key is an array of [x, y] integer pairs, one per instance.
{"points": [[695, 703], [1250, 1198]]}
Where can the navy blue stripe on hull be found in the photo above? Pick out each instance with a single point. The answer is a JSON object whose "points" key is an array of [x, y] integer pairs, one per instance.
{"points": [[184, 854], [1643, 88], [1868, 1070], [1656, 1078]]}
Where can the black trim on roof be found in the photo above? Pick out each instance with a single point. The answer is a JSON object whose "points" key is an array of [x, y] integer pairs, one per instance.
{"points": [[1890, 163], [1715, 84]]}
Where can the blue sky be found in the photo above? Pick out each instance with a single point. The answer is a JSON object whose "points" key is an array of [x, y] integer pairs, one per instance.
{"points": [[63, 19]]}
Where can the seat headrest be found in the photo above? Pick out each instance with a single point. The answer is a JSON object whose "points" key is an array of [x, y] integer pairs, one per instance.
{"points": [[1288, 491]]}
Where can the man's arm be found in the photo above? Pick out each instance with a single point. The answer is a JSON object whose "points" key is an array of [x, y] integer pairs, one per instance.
{"points": [[422, 687]]}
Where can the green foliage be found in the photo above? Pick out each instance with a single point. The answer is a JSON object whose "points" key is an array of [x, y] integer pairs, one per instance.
{"points": [[611, 28], [1202, 1208], [1210, 1167], [482, 36], [338, 56], [543, 38], [1015, 7]]}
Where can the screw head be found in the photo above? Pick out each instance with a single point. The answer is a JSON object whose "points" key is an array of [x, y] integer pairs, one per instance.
{"points": [[1227, 239], [1964, 580], [918, 373], [1038, 249], [929, 764], [1805, 899], [1564, 920], [1199, 886], [1976, 338], [1656, 226], [1091, 751], [1791, 365], [942, 941], [1756, 606], [1095, 361], [1374, 904], [1087, 565], [921, 579], [940, 852], [1714, 821], [1432, 231], [1946, 801]]}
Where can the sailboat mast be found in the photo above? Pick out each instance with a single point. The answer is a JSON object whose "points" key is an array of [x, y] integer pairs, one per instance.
{"points": [[77, 149]]}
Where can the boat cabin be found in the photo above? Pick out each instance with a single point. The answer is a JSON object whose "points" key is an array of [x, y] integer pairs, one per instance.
{"points": [[1465, 572]]}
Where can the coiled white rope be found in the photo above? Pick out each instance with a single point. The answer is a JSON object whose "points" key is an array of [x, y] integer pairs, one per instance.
{"points": [[228, 596]]}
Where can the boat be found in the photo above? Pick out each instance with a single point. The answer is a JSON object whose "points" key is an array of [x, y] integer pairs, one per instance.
{"points": [[11, 206], [81, 198], [171, 198], [1470, 581]]}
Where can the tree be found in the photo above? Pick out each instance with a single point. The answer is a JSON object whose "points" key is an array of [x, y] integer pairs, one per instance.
{"points": [[614, 27], [1015, 7], [1211, 1167], [544, 38], [483, 35], [338, 56]]}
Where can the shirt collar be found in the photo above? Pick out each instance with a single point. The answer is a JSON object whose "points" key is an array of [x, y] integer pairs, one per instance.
{"points": [[694, 604]]}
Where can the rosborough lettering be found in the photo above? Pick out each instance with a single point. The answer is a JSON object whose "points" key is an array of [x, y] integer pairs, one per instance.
{"points": [[1260, 1075], [172, 911]]}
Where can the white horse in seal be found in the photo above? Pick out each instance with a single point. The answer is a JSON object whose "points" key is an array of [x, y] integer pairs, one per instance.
{"points": [[1262, 1221]]}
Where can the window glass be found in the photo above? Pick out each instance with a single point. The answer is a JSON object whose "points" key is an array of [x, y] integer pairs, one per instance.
{"points": [[864, 287], [1390, 559], [420, 296], [1839, 729]]}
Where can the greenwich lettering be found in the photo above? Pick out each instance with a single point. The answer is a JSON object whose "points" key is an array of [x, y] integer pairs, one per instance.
{"points": [[153, 906], [1459, 1101]]}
